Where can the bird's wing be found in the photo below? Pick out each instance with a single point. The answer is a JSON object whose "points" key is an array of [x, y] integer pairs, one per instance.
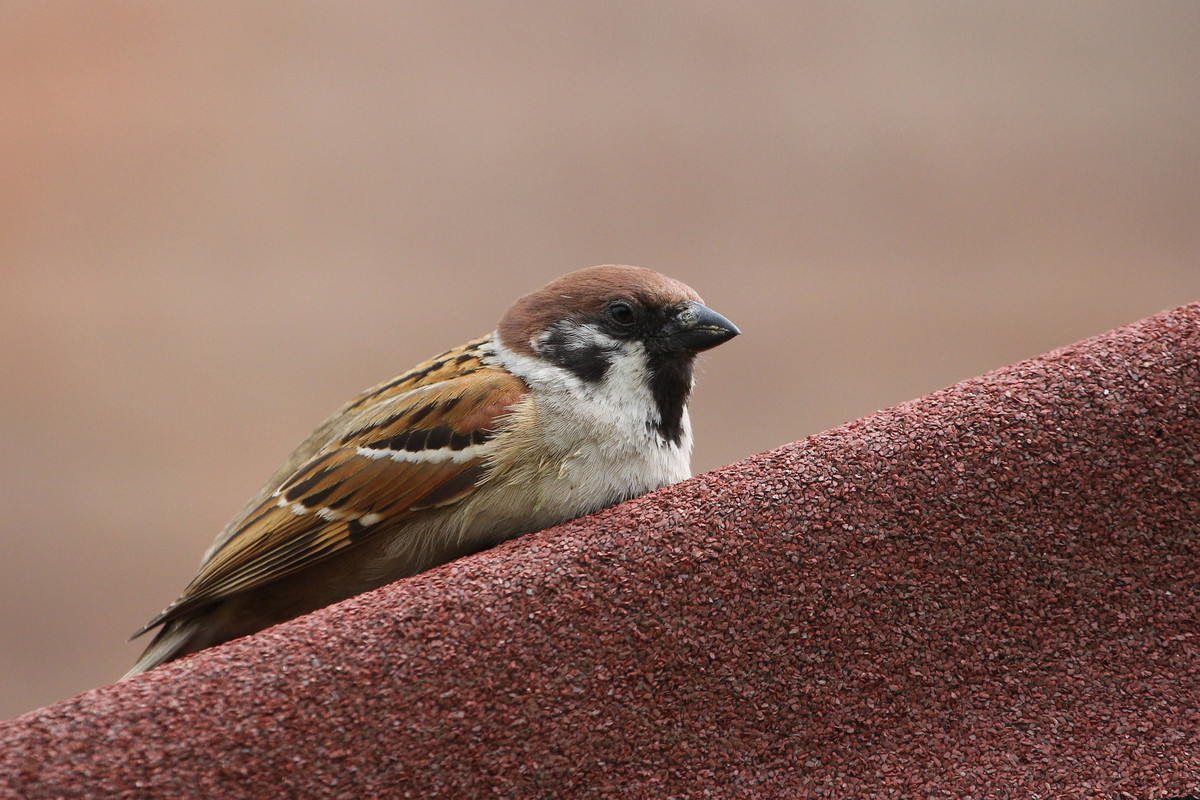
{"points": [[413, 444]]}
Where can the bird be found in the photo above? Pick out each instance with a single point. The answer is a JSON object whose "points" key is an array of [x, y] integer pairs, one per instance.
{"points": [[578, 400]]}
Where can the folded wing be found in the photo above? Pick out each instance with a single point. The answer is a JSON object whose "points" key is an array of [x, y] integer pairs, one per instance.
{"points": [[403, 449]]}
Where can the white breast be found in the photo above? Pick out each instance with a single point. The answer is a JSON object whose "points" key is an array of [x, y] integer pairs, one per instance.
{"points": [[579, 446]]}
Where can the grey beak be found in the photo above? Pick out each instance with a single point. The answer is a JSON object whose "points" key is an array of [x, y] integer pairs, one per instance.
{"points": [[697, 328]]}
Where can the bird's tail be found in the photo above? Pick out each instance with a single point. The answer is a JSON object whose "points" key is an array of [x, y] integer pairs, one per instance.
{"points": [[173, 641]]}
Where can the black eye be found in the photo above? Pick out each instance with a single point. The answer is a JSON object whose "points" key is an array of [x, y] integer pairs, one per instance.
{"points": [[622, 314]]}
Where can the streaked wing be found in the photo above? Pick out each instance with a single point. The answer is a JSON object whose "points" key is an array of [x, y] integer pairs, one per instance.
{"points": [[413, 444]]}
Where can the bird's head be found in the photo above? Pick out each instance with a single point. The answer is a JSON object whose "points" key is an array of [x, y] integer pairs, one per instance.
{"points": [[626, 329]]}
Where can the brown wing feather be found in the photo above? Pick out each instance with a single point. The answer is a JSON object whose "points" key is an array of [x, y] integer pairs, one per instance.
{"points": [[412, 444]]}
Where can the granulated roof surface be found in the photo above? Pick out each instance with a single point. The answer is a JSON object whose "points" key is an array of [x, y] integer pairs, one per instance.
{"points": [[991, 591]]}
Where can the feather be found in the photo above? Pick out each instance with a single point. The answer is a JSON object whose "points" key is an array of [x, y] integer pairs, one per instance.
{"points": [[411, 446]]}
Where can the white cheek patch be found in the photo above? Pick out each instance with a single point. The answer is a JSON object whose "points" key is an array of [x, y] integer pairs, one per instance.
{"points": [[618, 408]]}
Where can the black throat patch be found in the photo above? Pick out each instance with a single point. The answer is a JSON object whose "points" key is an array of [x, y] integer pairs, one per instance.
{"points": [[670, 386]]}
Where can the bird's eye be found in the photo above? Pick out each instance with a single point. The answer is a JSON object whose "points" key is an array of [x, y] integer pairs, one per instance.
{"points": [[622, 313]]}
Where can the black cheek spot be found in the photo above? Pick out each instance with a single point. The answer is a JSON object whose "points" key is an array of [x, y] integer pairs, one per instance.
{"points": [[591, 366], [589, 362]]}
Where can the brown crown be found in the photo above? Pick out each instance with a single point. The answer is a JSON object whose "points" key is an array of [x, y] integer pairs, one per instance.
{"points": [[584, 293]]}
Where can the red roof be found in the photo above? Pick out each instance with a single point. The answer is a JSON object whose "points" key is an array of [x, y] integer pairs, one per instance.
{"points": [[991, 591]]}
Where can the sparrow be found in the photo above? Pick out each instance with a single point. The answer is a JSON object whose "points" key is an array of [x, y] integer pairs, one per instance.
{"points": [[577, 401]]}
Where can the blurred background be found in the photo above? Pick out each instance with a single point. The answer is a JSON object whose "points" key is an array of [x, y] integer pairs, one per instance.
{"points": [[220, 220]]}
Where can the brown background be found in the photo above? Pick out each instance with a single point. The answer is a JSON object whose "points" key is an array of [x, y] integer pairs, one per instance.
{"points": [[218, 221]]}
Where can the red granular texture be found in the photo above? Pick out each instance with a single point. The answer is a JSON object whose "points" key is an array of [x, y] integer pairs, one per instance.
{"points": [[991, 591]]}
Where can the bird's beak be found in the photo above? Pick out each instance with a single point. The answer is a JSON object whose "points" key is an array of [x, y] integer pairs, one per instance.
{"points": [[697, 327]]}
